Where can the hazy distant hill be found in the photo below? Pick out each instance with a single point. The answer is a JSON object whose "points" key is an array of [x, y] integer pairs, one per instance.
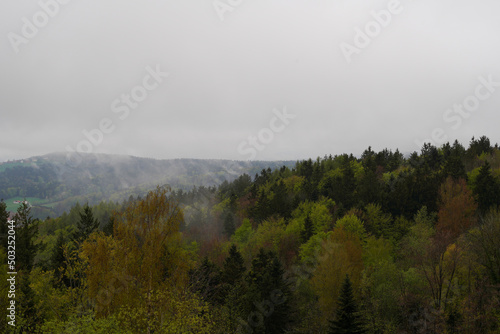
{"points": [[52, 184]]}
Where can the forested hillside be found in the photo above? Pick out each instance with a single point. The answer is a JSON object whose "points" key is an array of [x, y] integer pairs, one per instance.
{"points": [[53, 183], [379, 243]]}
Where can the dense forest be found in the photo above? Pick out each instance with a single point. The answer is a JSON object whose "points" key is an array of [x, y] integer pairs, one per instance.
{"points": [[379, 243]]}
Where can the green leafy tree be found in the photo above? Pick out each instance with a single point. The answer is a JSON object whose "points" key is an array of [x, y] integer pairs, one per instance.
{"points": [[380, 291], [141, 264], [457, 208], [352, 224], [244, 232], [377, 222], [340, 254], [484, 243], [347, 319]]}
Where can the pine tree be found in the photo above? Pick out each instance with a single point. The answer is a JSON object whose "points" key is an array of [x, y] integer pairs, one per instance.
{"points": [[108, 228], [280, 203], [234, 267], [4, 216], [308, 230], [281, 318], [233, 286], [268, 293], [86, 225], [205, 280], [262, 208], [26, 234], [479, 146], [347, 320], [486, 189], [27, 317], [57, 259], [229, 227], [369, 188], [455, 168]]}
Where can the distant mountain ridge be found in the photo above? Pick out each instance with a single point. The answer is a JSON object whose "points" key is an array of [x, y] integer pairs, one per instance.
{"points": [[52, 183]]}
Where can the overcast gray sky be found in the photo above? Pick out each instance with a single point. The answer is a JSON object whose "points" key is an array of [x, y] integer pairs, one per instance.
{"points": [[233, 65]]}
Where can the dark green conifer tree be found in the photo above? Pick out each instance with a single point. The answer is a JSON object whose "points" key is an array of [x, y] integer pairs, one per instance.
{"points": [[205, 280], [26, 234], [308, 230], [4, 216], [234, 267], [86, 225], [57, 260], [109, 227], [268, 297], [486, 189], [233, 286], [26, 250], [347, 319], [229, 227], [27, 317]]}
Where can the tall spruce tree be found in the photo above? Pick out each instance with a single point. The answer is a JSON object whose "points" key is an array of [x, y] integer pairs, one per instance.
{"points": [[233, 286], [308, 230], [57, 260], [268, 296], [27, 317], [347, 319], [109, 227], [234, 267], [26, 249], [26, 234], [86, 225], [486, 189], [4, 216], [205, 280], [229, 227]]}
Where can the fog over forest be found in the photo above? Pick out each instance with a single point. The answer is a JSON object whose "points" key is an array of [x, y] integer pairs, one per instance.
{"points": [[237, 167], [353, 74]]}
